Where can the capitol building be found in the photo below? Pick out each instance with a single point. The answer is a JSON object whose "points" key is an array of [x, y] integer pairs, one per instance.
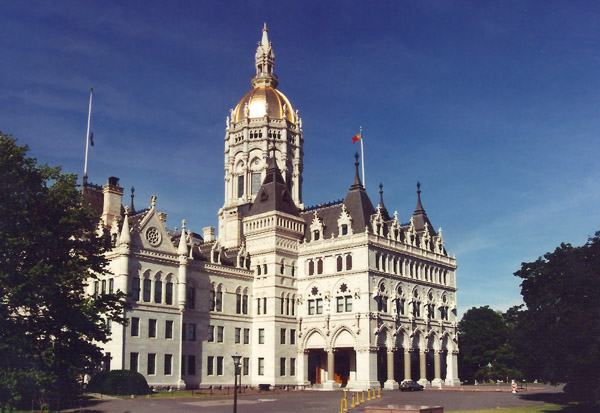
{"points": [[344, 294]]}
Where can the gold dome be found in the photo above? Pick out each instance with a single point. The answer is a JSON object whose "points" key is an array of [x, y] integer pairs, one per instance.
{"points": [[263, 98]]}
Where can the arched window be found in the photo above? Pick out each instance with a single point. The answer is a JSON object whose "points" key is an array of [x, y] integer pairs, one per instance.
{"points": [[258, 269], [348, 262], [245, 302], [339, 263], [282, 268], [265, 269], [319, 266], [311, 267], [316, 235], [376, 260], [219, 303], [344, 229]]}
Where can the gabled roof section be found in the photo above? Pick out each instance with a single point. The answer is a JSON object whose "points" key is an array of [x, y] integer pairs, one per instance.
{"points": [[358, 204], [420, 219], [273, 195]]}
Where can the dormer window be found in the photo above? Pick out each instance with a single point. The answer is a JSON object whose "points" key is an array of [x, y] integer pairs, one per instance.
{"points": [[344, 229]]}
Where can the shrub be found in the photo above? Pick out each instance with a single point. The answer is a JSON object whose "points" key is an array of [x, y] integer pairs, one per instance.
{"points": [[118, 382]]}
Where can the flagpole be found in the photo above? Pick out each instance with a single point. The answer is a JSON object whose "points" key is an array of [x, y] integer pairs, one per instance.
{"points": [[87, 138], [362, 155]]}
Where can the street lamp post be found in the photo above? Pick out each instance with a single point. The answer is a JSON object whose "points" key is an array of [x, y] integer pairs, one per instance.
{"points": [[236, 364]]}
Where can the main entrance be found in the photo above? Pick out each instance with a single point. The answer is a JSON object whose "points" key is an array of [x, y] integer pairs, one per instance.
{"points": [[342, 357], [315, 360]]}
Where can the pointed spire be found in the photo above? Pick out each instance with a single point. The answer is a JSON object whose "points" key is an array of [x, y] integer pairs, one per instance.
{"points": [[264, 62], [357, 184], [381, 205], [125, 238], [183, 249], [131, 207], [419, 207]]}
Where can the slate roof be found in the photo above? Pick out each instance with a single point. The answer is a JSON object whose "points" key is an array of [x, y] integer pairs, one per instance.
{"points": [[274, 194]]}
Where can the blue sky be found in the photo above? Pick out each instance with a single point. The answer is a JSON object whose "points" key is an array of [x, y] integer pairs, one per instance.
{"points": [[493, 106]]}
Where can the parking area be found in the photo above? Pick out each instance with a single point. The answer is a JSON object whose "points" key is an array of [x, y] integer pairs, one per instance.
{"points": [[452, 399]]}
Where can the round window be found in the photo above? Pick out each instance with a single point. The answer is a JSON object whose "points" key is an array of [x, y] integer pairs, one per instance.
{"points": [[153, 236]]}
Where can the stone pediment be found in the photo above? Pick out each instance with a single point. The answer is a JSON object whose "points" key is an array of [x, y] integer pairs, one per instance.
{"points": [[151, 234]]}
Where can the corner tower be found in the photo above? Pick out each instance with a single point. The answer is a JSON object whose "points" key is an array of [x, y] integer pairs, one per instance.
{"points": [[264, 117]]}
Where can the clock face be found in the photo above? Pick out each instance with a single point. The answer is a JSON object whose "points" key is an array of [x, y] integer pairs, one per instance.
{"points": [[153, 236]]}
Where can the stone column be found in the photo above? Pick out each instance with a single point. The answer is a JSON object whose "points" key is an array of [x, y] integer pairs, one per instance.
{"points": [[330, 383], [390, 382], [437, 380], [406, 365], [366, 368], [452, 368], [303, 367], [423, 368]]}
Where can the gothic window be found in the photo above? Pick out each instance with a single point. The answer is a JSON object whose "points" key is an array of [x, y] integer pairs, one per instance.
{"points": [[265, 269], [135, 289], [383, 260], [219, 300], [258, 306], [293, 269], [344, 303], [240, 187], [319, 266], [311, 267], [169, 293], [376, 260], [344, 229], [282, 268], [256, 182], [147, 286], [212, 298], [382, 304], [400, 306], [264, 305], [339, 263], [348, 262], [315, 306], [245, 303], [316, 235], [158, 291], [238, 303], [258, 269], [191, 297]]}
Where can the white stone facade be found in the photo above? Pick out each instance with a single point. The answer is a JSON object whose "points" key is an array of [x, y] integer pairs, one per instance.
{"points": [[338, 295]]}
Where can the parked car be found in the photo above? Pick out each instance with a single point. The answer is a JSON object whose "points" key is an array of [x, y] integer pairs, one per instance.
{"points": [[411, 386]]}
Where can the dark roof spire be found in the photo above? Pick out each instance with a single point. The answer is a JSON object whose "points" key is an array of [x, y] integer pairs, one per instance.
{"points": [[131, 208], [420, 218], [356, 184], [419, 207], [381, 205]]}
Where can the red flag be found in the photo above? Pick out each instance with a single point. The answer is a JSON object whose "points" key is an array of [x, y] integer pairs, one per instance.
{"points": [[356, 138]]}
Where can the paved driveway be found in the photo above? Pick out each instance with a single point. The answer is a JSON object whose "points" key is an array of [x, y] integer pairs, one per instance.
{"points": [[322, 401]]}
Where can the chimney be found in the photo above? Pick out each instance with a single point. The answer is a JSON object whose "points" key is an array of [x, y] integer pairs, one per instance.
{"points": [[113, 195], [208, 234]]}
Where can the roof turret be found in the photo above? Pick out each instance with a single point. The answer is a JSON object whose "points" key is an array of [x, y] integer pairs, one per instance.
{"points": [[420, 219], [273, 195], [357, 203]]}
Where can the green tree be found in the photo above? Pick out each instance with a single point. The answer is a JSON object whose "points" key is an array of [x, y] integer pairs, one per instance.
{"points": [[560, 328], [49, 249], [486, 351]]}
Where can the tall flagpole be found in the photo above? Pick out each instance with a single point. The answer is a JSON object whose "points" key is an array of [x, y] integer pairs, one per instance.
{"points": [[362, 155], [87, 138]]}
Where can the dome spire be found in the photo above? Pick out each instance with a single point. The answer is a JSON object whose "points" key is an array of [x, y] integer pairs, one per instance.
{"points": [[264, 61]]}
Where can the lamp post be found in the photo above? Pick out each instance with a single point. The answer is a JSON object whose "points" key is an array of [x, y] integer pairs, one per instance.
{"points": [[236, 364]]}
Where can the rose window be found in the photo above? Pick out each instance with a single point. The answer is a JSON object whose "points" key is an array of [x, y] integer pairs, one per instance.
{"points": [[153, 236]]}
